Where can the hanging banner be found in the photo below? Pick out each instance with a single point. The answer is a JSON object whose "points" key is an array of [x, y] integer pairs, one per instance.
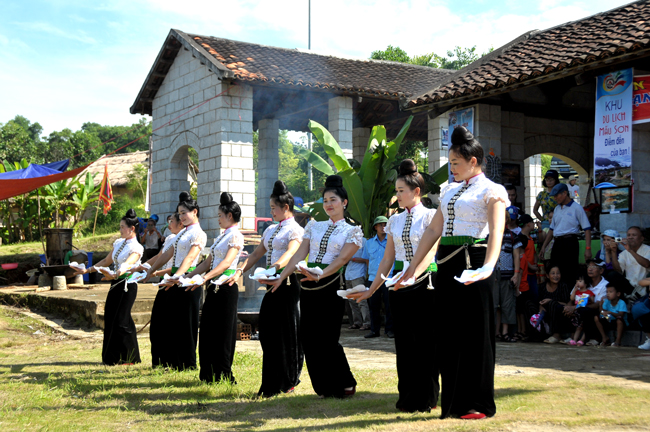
{"points": [[613, 129], [641, 99], [463, 117]]}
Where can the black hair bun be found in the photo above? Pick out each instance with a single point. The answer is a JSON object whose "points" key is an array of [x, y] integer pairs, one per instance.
{"points": [[407, 167], [130, 214], [334, 181], [279, 188], [226, 198], [184, 196], [461, 136]]}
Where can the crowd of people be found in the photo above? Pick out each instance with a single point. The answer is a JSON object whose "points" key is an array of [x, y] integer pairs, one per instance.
{"points": [[516, 279]]}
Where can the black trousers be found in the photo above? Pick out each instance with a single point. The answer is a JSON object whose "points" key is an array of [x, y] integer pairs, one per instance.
{"points": [[120, 338], [280, 338], [374, 304], [218, 333], [321, 316], [417, 367], [565, 255], [175, 328], [465, 336]]}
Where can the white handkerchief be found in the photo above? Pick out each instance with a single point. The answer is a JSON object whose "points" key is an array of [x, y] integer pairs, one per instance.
{"points": [[77, 266], [221, 280], [356, 289], [315, 270], [194, 280], [126, 267], [262, 273], [474, 275], [138, 276], [146, 265], [105, 269], [392, 281]]}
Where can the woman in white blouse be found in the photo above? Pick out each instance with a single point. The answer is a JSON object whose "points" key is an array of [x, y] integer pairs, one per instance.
{"points": [[411, 305], [120, 338], [175, 313], [330, 245], [219, 313], [469, 210], [280, 311]]}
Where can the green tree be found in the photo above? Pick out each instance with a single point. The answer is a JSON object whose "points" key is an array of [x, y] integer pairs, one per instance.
{"points": [[457, 58], [546, 163], [16, 142]]}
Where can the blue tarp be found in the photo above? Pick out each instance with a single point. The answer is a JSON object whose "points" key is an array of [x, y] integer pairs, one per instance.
{"points": [[34, 171]]}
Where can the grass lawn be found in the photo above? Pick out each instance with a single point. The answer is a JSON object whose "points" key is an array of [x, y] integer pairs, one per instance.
{"points": [[51, 382]]}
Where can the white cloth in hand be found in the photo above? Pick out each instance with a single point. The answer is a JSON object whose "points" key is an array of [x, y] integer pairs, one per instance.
{"points": [[262, 273], [194, 280], [77, 266], [392, 281], [302, 265], [138, 276], [475, 275], [221, 280], [356, 289]]}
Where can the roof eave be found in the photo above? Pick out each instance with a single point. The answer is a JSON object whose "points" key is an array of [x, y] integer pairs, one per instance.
{"points": [[142, 104]]}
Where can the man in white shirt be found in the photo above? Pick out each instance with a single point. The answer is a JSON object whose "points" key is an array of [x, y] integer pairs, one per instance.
{"points": [[574, 189], [634, 261]]}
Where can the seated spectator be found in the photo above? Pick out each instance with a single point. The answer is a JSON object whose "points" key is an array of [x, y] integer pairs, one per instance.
{"points": [[633, 262], [355, 274], [641, 311], [598, 286], [613, 316], [608, 247], [581, 297], [506, 283], [554, 296], [374, 253], [574, 189]]}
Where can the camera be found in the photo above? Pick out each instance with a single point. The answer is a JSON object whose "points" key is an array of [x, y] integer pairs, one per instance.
{"points": [[618, 239]]}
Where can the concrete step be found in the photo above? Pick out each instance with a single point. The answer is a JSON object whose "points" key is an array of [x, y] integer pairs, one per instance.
{"points": [[139, 318]]}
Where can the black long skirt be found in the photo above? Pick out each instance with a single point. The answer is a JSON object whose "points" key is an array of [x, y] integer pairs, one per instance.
{"points": [[175, 328], [280, 339], [120, 338], [218, 333], [321, 317], [417, 368], [465, 336]]}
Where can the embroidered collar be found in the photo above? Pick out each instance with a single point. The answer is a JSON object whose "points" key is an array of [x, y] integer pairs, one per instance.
{"points": [[475, 178], [193, 226], [414, 208], [286, 221], [330, 221]]}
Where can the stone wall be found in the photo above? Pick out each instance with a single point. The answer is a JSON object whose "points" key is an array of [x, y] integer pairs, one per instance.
{"points": [[221, 131]]}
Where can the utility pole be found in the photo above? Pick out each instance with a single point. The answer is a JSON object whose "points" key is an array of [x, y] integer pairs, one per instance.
{"points": [[311, 147]]}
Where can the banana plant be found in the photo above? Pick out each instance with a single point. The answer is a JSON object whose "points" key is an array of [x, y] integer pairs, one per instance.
{"points": [[371, 185], [85, 194]]}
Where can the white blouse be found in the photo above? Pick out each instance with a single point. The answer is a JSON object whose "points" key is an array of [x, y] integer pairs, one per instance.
{"points": [[421, 218], [190, 236], [121, 254], [343, 233], [464, 206], [169, 242], [286, 231], [231, 238]]}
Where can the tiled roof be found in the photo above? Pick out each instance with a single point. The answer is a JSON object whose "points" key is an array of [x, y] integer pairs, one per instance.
{"points": [[120, 165], [576, 44], [277, 67]]}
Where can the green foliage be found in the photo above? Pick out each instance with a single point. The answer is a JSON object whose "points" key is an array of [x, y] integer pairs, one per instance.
{"points": [[137, 180], [110, 223], [546, 163], [457, 58], [371, 187]]}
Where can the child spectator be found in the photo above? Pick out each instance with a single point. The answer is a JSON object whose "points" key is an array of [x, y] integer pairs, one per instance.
{"points": [[150, 239], [512, 220], [355, 274], [504, 291], [613, 315], [524, 252], [581, 297]]}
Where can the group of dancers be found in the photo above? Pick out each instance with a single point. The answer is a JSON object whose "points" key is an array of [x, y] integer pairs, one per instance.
{"points": [[443, 328]]}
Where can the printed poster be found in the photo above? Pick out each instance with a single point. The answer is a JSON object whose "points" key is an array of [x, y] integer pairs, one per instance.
{"points": [[641, 99], [613, 129], [463, 117]]}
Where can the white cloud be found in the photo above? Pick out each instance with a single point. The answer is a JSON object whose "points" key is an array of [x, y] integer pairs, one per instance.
{"points": [[79, 35]]}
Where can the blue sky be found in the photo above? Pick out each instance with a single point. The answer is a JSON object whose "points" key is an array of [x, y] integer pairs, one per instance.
{"points": [[65, 62]]}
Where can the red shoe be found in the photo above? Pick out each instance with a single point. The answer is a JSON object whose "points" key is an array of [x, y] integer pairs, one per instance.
{"points": [[351, 392], [290, 390], [473, 416]]}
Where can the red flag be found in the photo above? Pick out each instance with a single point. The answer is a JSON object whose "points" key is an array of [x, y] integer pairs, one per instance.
{"points": [[105, 191]]}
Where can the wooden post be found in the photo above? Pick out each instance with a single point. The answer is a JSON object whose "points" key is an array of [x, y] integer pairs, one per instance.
{"points": [[40, 227], [96, 212]]}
